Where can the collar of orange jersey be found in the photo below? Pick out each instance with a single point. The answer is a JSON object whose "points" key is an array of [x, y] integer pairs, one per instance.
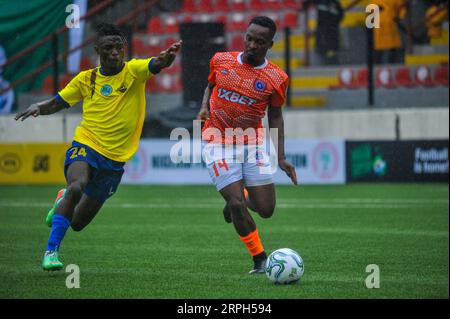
{"points": [[262, 66]]}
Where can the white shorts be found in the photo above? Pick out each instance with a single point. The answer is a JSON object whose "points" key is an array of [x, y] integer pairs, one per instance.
{"points": [[230, 164]]}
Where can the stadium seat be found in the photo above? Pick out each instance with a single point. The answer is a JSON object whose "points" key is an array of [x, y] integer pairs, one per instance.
{"points": [[139, 48], [345, 79], [155, 26], [187, 19], [441, 75], [189, 6], [291, 4], [153, 85], [64, 79], [361, 79], [171, 25], [273, 5], [85, 63], [423, 76], [290, 20], [257, 5], [237, 43], [384, 78], [237, 22], [222, 18], [206, 6], [153, 46], [222, 6], [238, 5], [403, 78]]}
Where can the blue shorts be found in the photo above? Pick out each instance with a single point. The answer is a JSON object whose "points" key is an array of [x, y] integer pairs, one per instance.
{"points": [[106, 173]]}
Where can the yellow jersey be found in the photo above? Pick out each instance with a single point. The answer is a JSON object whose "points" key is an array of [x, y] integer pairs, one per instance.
{"points": [[113, 109]]}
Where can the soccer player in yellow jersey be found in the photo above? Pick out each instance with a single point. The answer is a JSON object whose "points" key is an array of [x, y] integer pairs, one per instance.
{"points": [[113, 98]]}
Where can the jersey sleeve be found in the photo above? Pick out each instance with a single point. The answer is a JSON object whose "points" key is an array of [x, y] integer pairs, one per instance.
{"points": [[140, 68], [212, 70], [72, 93], [279, 95]]}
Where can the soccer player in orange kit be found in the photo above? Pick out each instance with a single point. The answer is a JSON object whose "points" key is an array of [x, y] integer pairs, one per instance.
{"points": [[242, 87]]}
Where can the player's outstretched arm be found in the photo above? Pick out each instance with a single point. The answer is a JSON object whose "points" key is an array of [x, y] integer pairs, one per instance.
{"points": [[166, 57], [41, 108], [203, 114], [275, 118]]}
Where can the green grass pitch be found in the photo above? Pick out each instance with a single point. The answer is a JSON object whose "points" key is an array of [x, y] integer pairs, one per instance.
{"points": [[172, 242]]}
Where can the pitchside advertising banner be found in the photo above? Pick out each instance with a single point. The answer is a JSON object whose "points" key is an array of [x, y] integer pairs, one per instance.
{"points": [[316, 162], [32, 163], [397, 161]]}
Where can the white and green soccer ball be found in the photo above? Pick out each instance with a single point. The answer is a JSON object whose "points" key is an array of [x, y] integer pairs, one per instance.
{"points": [[284, 266]]}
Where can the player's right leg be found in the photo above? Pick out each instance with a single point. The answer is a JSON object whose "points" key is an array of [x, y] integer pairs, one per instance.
{"points": [[77, 176]]}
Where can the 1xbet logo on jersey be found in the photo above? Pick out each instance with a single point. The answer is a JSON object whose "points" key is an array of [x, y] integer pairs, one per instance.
{"points": [[235, 97]]}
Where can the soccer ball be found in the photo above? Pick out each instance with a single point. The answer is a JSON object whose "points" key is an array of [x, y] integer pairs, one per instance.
{"points": [[284, 266]]}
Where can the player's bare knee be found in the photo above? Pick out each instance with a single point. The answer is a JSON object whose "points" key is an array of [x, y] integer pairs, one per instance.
{"points": [[237, 206], [75, 190], [267, 212]]}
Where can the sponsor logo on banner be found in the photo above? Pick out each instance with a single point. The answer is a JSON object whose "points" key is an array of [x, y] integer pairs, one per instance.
{"points": [[325, 160], [10, 163], [137, 167]]}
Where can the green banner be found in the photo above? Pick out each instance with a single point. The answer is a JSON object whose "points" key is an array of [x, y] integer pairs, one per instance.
{"points": [[22, 24]]}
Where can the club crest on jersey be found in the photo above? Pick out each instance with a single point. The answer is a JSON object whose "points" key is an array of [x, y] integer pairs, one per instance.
{"points": [[224, 72], [259, 85], [106, 90]]}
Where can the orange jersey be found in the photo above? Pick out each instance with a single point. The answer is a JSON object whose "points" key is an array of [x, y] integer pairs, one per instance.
{"points": [[242, 93]]}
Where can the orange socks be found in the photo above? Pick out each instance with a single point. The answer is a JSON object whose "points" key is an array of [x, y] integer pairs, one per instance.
{"points": [[253, 243]]}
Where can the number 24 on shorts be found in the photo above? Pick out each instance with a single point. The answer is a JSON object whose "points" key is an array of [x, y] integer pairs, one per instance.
{"points": [[78, 151], [221, 164]]}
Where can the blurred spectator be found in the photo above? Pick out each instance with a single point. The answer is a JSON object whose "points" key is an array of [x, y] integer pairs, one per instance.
{"points": [[387, 39], [329, 16], [436, 15]]}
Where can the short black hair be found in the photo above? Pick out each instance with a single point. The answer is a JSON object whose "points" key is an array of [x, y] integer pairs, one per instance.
{"points": [[265, 22], [105, 29]]}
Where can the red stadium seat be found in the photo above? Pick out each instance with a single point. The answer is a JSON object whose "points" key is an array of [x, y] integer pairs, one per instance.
{"points": [[206, 6], [154, 46], [155, 25], [290, 20], [237, 43], [189, 6], [153, 85], [384, 78], [291, 4], [423, 76], [139, 48], [237, 23], [345, 78], [257, 5], [222, 6], [222, 18], [171, 25], [441, 75], [187, 19], [238, 5], [403, 78], [361, 79], [85, 63], [273, 5]]}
